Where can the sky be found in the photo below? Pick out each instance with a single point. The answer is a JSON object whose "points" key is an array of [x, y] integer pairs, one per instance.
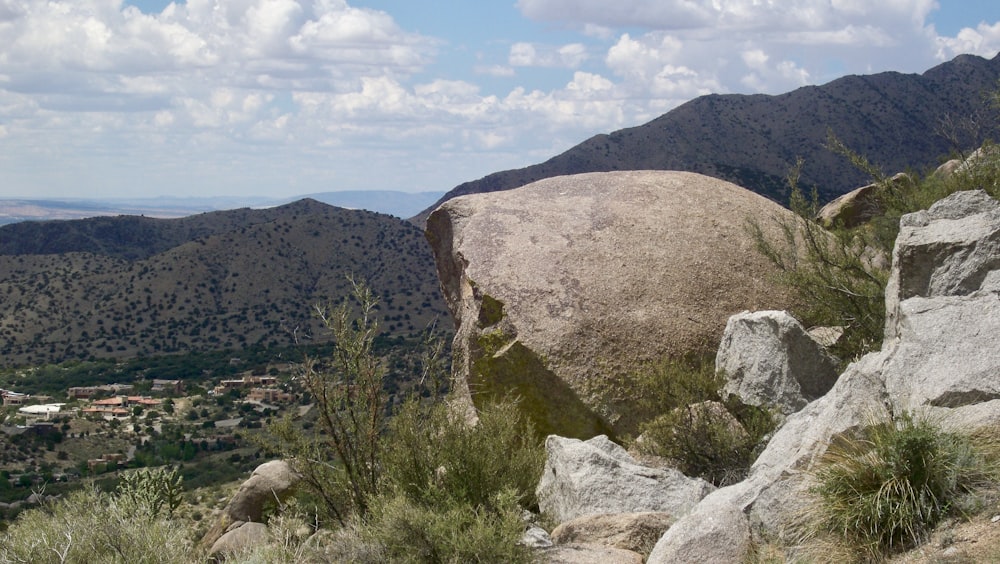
{"points": [[276, 98]]}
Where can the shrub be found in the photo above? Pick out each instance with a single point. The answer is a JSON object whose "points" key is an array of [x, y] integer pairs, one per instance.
{"points": [[885, 488], [703, 434], [155, 489], [433, 456], [90, 526], [454, 491], [340, 463], [450, 532]]}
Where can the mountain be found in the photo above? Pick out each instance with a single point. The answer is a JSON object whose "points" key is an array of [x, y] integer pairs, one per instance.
{"points": [[399, 204], [126, 286], [753, 140]]}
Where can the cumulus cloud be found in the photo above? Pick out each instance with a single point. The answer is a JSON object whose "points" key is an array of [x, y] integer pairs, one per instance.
{"points": [[983, 41], [334, 92], [531, 55]]}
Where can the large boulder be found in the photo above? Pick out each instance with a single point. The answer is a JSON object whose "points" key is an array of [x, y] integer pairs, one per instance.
{"points": [[939, 358], [599, 476], [769, 360], [240, 538], [563, 289]]}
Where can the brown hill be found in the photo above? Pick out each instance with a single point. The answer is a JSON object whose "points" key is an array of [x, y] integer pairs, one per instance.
{"points": [[126, 286], [753, 140]]}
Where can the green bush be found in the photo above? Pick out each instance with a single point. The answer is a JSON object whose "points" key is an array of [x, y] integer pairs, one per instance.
{"points": [[454, 491], [886, 488], [157, 489], [433, 456], [90, 526], [340, 464], [450, 532], [702, 433]]}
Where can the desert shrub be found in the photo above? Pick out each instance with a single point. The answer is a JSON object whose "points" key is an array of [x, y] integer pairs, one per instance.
{"points": [[701, 432], [340, 463], [157, 489], [884, 488], [837, 275], [433, 456], [453, 491], [90, 526], [421, 485], [450, 531]]}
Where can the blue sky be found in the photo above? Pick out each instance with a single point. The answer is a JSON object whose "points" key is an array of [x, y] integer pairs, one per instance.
{"points": [[104, 98]]}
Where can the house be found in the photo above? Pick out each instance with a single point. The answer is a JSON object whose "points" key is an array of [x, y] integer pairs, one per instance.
{"points": [[41, 411], [13, 398], [270, 395], [168, 386], [87, 392], [107, 411], [143, 401]]}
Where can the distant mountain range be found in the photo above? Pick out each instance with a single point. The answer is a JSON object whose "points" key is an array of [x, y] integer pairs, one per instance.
{"points": [[124, 286], [399, 204], [753, 140]]}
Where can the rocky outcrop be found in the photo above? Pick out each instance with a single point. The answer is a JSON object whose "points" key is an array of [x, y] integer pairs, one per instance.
{"points": [[861, 204], [637, 532], [599, 476], [240, 523], [241, 538], [563, 289], [769, 360], [939, 356]]}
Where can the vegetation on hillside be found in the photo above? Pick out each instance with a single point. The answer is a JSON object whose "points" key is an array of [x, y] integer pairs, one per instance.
{"points": [[117, 288]]}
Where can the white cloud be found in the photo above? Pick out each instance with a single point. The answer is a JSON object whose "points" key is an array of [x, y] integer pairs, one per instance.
{"points": [[681, 15], [983, 41], [531, 55], [494, 70]]}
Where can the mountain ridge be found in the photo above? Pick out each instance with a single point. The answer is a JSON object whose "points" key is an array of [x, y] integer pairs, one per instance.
{"points": [[753, 140], [125, 286]]}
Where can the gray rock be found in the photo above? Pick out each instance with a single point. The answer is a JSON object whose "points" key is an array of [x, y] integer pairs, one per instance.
{"points": [[270, 482], [949, 250], [241, 538], [716, 531], [565, 288], [769, 360], [637, 532], [939, 359], [599, 476], [587, 554], [536, 537], [859, 205]]}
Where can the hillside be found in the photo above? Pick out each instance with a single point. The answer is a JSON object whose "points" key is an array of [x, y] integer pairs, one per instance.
{"points": [[126, 286], [753, 140]]}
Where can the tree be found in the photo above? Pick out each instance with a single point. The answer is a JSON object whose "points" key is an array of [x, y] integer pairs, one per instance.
{"points": [[340, 463]]}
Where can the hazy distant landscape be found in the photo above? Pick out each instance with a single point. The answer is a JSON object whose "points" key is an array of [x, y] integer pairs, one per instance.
{"points": [[399, 204]]}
